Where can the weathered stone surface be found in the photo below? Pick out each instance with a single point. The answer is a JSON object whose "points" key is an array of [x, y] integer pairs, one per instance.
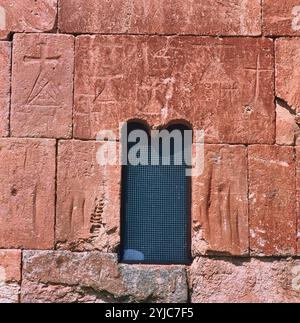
{"points": [[27, 16], [5, 58], [272, 200], [10, 261], [288, 73], [220, 202], [9, 293], [281, 18], [10, 275], [208, 17], [159, 79], [298, 197], [27, 193], [62, 276], [88, 199], [42, 85], [244, 281], [287, 125]]}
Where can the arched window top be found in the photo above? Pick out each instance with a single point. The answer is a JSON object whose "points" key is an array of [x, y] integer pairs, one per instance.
{"points": [[179, 125], [134, 124], [137, 125]]}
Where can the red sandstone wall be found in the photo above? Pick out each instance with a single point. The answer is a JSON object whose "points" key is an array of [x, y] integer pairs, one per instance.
{"points": [[70, 68]]}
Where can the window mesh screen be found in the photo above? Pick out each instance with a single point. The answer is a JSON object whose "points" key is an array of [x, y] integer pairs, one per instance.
{"points": [[155, 213]]}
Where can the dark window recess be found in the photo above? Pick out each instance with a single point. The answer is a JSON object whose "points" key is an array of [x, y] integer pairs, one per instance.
{"points": [[156, 210]]}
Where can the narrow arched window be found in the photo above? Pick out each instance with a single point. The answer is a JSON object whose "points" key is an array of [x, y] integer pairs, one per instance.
{"points": [[156, 196]]}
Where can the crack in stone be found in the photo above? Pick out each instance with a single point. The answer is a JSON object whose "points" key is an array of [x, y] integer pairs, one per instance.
{"points": [[287, 123], [284, 104]]}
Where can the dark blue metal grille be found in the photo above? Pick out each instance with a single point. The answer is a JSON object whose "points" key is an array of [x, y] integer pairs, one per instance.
{"points": [[155, 214]]}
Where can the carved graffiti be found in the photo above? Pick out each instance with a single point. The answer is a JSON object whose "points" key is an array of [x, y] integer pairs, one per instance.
{"points": [[223, 88], [152, 90], [43, 92], [156, 95], [104, 89], [110, 71], [257, 70], [221, 214]]}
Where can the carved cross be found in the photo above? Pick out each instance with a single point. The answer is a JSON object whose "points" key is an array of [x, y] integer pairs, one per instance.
{"points": [[43, 59], [42, 82], [258, 71]]}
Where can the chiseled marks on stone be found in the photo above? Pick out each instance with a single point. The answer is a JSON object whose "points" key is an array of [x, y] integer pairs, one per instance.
{"points": [[97, 277], [27, 193], [42, 85], [220, 206], [159, 79], [88, 199]]}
